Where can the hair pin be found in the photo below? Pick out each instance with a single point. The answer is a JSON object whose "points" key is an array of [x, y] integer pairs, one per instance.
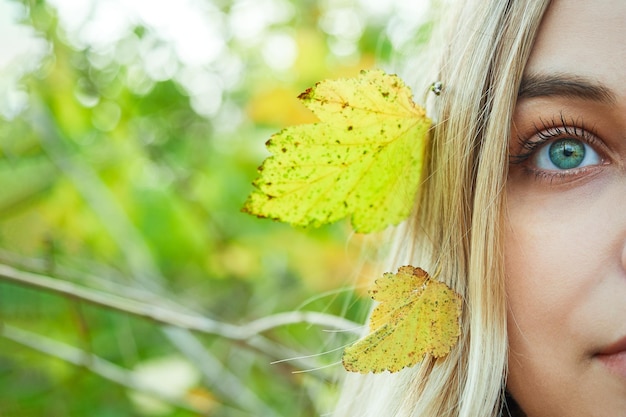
{"points": [[436, 87]]}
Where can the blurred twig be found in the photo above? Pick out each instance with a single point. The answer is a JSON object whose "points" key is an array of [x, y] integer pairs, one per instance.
{"points": [[155, 312], [177, 324], [95, 364], [230, 386]]}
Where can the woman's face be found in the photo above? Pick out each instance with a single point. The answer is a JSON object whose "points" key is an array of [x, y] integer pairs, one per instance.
{"points": [[566, 217]]}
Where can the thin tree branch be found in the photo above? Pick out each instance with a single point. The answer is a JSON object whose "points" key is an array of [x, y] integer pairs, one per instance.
{"points": [[155, 312], [222, 381], [93, 363]]}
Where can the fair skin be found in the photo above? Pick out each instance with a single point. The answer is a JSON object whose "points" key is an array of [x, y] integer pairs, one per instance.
{"points": [[565, 224]]}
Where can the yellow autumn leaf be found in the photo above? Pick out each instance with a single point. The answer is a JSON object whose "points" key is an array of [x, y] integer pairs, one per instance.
{"points": [[417, 315], [363, 159]]}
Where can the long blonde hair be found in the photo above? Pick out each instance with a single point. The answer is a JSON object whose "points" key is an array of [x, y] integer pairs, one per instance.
{"points": [[457, 221]]}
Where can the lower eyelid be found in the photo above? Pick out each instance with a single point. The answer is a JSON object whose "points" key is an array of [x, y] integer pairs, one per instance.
{"points": [[561, 177]]}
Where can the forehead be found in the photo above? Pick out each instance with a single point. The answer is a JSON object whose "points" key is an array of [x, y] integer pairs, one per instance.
{"points": [[582, 37]]}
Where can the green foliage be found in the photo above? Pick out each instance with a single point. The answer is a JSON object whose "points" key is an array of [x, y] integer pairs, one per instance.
{"points": [[123, 171]]}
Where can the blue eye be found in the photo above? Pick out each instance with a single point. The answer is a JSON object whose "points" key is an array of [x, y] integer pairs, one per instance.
{"points": [[566, 153]]}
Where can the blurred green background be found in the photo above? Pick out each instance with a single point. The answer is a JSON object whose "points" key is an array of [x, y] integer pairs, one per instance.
{"points": [[130, 131]]}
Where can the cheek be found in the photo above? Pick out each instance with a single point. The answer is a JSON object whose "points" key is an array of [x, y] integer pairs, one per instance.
{"points": [[562, 254], [542, 289], [558, 245], [545, 252], [552, 245]]}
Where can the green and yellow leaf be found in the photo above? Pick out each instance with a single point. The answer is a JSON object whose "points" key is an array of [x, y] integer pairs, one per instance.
{"points": [[417, 315], [363, 159]]}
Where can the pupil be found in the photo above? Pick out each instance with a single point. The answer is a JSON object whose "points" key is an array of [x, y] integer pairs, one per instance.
{"points": [[567, 153]]}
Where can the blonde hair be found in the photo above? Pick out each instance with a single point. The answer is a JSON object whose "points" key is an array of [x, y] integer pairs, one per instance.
{"points": [[457, 221]]}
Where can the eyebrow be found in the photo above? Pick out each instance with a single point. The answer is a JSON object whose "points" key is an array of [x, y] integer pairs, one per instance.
{"points": [[564, 85]]}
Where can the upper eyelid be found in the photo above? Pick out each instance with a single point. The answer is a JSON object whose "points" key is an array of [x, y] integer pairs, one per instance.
{"points": [[570, 127], [553, 127], [550, 129]]}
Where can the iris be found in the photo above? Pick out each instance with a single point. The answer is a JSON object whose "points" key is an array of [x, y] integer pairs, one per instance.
{"points": [[567, 153]]}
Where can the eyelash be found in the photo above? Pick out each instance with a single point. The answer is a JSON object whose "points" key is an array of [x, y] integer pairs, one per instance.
{"points": [[549, 131]]}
